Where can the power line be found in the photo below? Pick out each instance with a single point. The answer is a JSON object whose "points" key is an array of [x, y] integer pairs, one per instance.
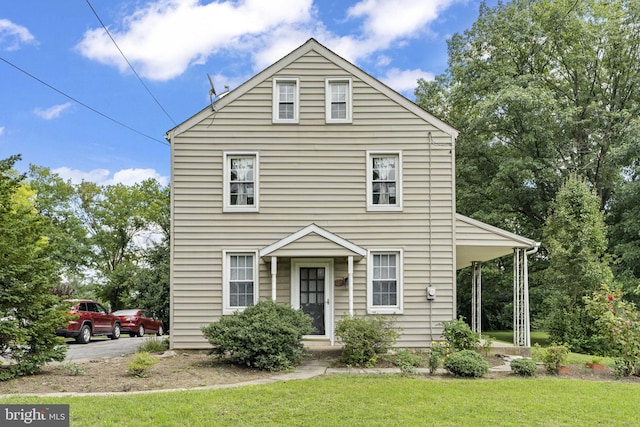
{"points": [[129, 63], [81, 103]]}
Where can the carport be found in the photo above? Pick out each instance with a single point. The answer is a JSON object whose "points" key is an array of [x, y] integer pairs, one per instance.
{"points": [[477, 242]]}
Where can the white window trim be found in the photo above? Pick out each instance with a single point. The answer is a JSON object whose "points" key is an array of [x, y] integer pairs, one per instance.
{"points": [[389, 208], [227, 206], [327, 96], [389, 309], [276, 103], [226, 308]]}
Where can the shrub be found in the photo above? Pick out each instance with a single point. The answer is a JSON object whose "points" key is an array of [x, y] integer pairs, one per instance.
{"points": [[437, 353], [365, 338], [554, 357], [408, 362], [266, 336], [619, 322], [460, 336], [141, 365], [153, 346], [524, 367], [466, 363]]}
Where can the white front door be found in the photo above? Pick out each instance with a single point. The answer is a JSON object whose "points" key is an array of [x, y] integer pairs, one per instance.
{"points": [[312, 292]]}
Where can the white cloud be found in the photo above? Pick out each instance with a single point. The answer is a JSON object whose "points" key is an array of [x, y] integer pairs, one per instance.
{"points": [[405, 80], [1, 130], [13, 36], [52, 112], [104, 177], [162, 39]]}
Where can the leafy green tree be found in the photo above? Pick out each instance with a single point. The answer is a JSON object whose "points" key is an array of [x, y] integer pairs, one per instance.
{"points": [[29, 311], [540, 90], [575, 235]]}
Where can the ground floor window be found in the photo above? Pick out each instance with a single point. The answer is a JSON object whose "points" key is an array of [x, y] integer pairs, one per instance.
{"points": [[239, 283], [384, 281]]}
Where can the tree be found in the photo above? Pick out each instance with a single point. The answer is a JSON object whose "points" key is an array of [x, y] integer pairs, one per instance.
{"points": [[29, 311], [540, 90], [575, 235], [122, 221]]}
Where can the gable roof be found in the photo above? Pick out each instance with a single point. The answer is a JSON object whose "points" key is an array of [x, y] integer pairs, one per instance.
{"points": [[329, 242], [308, 46], [478, 241]]}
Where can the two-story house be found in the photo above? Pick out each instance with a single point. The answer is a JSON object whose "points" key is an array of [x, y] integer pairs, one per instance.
{"points": [[318, 186]]}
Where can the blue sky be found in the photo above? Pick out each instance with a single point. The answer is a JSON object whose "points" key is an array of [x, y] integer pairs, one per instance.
{"points": [[85, 114]]}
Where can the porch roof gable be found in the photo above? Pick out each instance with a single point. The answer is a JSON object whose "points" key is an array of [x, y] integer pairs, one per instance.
{"points": [[304, 245]]}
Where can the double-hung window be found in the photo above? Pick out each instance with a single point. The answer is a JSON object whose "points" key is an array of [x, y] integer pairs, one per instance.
{"points": [[286, 100], [384, 181], [338, 100], [384, 281], [239, 289], [241, 182]]}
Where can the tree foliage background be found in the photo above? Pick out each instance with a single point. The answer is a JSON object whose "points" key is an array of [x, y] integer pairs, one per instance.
{"points": [[542, 90]]}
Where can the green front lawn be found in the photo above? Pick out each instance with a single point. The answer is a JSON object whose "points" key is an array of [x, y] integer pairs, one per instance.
{"points": [[537, 337], [368, 401]]}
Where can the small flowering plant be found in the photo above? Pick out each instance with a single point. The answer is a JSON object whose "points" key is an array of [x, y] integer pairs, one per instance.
{"points": [[439, 351], [619, 322]]}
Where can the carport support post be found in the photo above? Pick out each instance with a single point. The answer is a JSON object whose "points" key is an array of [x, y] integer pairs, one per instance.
{"points": [[350, 284], [476, 296], [274, 273]]}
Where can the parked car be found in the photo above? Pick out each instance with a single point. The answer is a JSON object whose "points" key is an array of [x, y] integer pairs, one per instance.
{"points": [[90, 318], [138, 322]]}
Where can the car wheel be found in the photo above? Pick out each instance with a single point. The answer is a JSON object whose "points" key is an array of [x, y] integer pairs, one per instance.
{"points": [[85, 335], [160, 331], [116, 332], [141, 331]]}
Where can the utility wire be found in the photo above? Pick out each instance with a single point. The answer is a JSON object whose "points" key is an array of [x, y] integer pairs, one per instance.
{"points": [[81, 103], [129, 63]]}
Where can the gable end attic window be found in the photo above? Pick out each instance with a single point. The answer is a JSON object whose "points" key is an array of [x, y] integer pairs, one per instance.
{"points": [[241, 182], [338, 100], [286, 96]]}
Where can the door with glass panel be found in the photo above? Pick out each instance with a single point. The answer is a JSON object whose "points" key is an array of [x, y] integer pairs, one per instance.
{"points": [[312, 296]]}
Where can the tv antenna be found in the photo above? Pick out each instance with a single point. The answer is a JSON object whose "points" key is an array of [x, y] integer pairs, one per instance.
{"points": [[213, 96]]}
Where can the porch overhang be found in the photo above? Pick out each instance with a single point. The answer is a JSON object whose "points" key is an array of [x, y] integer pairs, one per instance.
{"points": [[480, 242], [313, 242]]}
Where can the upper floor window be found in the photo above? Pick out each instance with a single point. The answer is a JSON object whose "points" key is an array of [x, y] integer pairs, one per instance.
{"points": [[285, 100], [384, 181], [239, 286], [241, 182], [384, 281], [338, 100]]}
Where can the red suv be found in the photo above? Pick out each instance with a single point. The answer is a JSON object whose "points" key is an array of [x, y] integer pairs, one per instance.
{"points": [[90, 318]]}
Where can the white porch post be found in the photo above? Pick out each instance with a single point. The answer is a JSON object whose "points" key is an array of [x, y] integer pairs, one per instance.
{"points": [[274, 273], [350, 271], [476, 296], [521, 321]]}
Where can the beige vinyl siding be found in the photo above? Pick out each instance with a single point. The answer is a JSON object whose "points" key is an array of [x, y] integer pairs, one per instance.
{"points": [[312, 172]]}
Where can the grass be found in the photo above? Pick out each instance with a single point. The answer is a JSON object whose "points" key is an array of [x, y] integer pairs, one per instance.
{"points": [[539, 337], [367, 401]]}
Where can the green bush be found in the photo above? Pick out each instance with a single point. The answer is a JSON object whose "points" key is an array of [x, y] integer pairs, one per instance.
{"points": [[408, 361], [466, 363], [460, 336], [266, 336], [524, 367], [365, 338], [141, 365], [554, 357]]}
